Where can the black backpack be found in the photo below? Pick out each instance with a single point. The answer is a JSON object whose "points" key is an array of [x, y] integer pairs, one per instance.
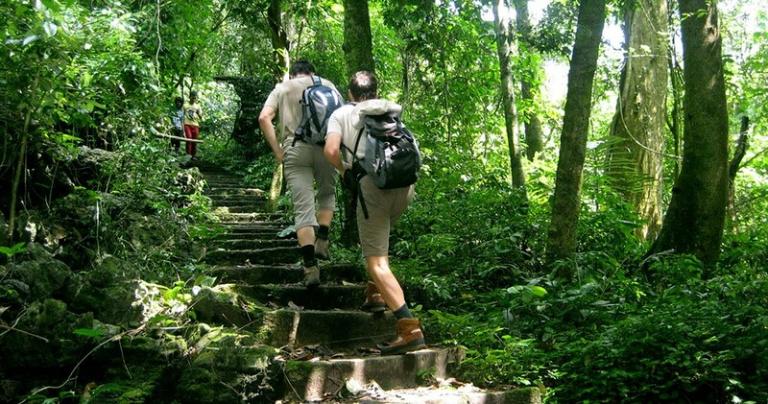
{"points": [[392, 158], [318, 102]]}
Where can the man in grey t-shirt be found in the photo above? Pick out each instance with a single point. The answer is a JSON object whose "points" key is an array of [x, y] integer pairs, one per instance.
{"points": [[304, 165], [384, 207]]}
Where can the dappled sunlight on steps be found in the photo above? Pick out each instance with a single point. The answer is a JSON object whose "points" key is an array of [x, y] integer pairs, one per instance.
{"points": [[322, 326]]}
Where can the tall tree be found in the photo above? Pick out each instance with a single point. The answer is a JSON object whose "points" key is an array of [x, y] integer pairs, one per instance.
{"points": [[635, 165], [358, 53], [573, 142], [504, 49], [281, 47], [695, 218], [358, 46], [534, 137]]}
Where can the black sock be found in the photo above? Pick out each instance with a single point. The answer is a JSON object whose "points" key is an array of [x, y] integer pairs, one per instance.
{"points": [[322, 232], [308, 255], [403, 312]]}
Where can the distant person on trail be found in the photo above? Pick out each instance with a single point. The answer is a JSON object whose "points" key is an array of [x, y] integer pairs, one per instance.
{"points": [[177, 118], [379, 209], [303, 160], [193, 114]]}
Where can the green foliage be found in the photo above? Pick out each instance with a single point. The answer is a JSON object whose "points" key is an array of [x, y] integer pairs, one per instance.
{"points": [[10, 251], [114, 235]]}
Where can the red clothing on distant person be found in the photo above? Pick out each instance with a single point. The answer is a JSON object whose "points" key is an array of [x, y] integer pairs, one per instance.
{"points": [[191, 132]]}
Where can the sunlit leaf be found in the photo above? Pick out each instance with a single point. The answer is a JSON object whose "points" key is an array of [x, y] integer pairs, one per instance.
{"points": [[28, 40], [537, 291], [13, 250], [50, 28], [88, 332]]}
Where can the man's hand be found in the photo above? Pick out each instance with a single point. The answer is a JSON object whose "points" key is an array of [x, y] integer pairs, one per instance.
{"points": [[279, 155]]}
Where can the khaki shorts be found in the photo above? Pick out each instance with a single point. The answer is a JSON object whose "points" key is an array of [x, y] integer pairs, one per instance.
{"points": [[305, 165], [384, 208]]}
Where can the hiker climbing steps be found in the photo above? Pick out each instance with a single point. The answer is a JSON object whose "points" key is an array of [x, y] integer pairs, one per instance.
{"points": [[326, 341]]}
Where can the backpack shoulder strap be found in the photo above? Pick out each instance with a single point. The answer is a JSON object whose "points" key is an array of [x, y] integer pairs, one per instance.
{"points": [[316, 80], [357, 144], [357, 141]]}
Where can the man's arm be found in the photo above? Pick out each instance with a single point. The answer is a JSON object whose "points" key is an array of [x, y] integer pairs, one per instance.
{"points": [[265, 123], [332, 150]]}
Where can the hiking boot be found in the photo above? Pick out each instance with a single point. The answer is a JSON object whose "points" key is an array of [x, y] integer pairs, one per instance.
{"points": [[374, 303], [321, 248], [312, 276], [409, 338]]}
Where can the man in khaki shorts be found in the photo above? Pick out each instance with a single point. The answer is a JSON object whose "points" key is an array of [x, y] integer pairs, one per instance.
{"points": [[304, 165], [384, 207]]}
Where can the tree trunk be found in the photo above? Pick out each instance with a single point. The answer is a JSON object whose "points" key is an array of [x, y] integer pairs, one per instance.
{"points": [[696, 214], [281, 53], [358, 54], [676, 118], [573, 142], [529, 90], [734, 166], [635, 163], [280, 45], [503, 47], [358, 47]]}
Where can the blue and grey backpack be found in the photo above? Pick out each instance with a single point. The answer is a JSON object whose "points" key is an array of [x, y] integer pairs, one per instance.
{"points": [[318, 102]]}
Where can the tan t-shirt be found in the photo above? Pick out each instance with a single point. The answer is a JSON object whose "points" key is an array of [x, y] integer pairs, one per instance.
{"points": [[192, 114], [285, 99], [346, 120]]}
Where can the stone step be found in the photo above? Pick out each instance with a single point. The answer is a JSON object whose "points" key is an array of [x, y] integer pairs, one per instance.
{"points": [[323, 297], [279, 274], [225, 180], [466, 394], [240, 208], [269, 230], [264, 235], [268, 225], [274, 255], [317, 380], [346, 329], [209, 184], [245, 218], [261, 227], [232, 202], [234, 197], [251, 243], [231, 191]]}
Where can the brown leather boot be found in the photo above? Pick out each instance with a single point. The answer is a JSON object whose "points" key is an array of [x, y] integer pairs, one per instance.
{"points": [[374, 303], [409, 338]]}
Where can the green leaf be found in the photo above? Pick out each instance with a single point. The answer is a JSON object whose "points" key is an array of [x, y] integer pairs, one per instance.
{"points": [[29, 39], [50, 28], [13, 250], [52, 5], [88, 332], [537, 291], [205, 280]]}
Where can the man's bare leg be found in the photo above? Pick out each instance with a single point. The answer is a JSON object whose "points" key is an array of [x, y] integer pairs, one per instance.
{"points": [[409, 335], [324, 218], [306, 235], [382, 276]]}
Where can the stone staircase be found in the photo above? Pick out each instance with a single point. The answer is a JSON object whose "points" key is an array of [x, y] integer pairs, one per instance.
{"points": [[326, 339]]}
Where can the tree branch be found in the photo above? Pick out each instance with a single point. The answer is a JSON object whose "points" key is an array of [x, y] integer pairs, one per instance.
{"points": [[741, 149]]}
